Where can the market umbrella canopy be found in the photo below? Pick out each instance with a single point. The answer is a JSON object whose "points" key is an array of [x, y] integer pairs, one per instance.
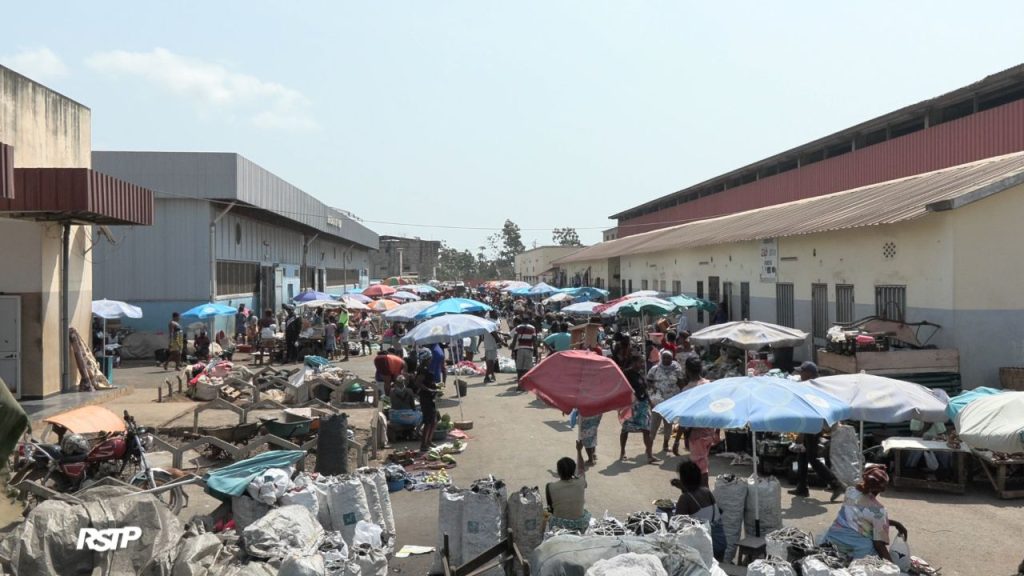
{"points": [[421, 289], [329, 304], [510, 285], [585, 293], [642, 293], [883, 400], [542, 288], [398, 281], [447, 328], [525, 291], [559, 297], [382, 305], [403, 296], [994, 423], [749, 335], [204, 311], [583, 308], [579, 380], [644, 305], [764, 403], [353, 304], [308, 295], [453, 306], [110, 309], [684, 301], [407, 312], [378, 290]]}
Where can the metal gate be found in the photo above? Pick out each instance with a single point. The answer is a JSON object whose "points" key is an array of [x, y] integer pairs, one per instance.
{"points": [[844, 303], [784, 304], [891, 302], [819, 310], [744, 300], [727, 298], [10, 343]]}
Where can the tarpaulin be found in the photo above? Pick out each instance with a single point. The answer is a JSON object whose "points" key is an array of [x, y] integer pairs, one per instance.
{"points": [[88, 419], [233, 480]]}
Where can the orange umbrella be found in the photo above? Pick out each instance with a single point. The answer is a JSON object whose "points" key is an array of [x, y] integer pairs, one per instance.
{"points": [[378, 290], [580, 380], [383, 305]]}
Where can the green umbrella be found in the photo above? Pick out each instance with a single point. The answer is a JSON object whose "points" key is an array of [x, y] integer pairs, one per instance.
{"points": [[684, 301]]}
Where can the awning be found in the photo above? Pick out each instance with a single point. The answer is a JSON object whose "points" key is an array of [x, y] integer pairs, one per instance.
{"points": [[6, 171], [79, 195]]}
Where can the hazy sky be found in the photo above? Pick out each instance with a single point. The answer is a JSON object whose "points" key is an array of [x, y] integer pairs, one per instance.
{"points": [[465, 113]]}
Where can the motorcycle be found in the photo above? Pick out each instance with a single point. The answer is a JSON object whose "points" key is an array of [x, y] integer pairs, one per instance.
{"points": [[72, 465]]}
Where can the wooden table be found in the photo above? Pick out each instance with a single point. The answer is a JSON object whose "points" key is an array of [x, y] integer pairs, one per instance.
{"points": [[900, 444], [997, 471]]}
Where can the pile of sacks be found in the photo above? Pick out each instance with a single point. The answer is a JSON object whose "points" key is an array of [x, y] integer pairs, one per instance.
{"points": [[643, 544], [309, 524], [735, 496], [791, 552]]}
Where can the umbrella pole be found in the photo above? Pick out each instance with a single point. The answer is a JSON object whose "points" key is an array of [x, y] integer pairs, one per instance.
{"points": [[757, 504], [862, 435]]}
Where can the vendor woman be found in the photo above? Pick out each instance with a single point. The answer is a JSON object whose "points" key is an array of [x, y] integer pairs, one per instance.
{"points": [[862, 526], [566, 496]]}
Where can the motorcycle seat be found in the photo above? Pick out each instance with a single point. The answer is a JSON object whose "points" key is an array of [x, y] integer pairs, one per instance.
{"points": [[52, 449], [72, 458]]}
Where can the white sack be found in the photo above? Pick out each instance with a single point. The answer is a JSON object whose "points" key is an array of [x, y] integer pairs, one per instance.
{"points": [[346, 506], [873, 566], [731, 495], [372, 497], [303, 566], [367, 561], [270, 486], [770, 567], [693, 533], [769, 496], [628, 565], [526, 519], [245, 511], [845, 454], [305, 497], [572, 555], [197, 555], [284, 532]]}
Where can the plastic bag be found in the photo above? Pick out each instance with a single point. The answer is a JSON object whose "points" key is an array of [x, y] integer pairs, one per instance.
{"points": [[900, 552], [845, 454], [367, 533]]}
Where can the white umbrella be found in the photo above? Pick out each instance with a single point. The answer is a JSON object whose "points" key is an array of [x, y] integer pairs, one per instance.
{"points": [[447, 328], [994, 423], [642, 293], [330, 304], [403, 296], [883, 400], [353, 304], [560, 297], [581, 308], [408, 311], [110, 309], [749, 335]]}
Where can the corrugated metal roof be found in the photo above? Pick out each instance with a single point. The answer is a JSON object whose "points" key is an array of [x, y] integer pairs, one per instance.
{"points": [[1010, 76], [77, 194], [884, 203]]}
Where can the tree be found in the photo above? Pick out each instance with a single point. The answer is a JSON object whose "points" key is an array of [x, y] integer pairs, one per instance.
{"points": [[455, 265], [565, 237], [511, 242]]}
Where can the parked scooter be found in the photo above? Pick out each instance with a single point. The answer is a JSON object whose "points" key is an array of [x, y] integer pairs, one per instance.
{"points": [[74, 465]]}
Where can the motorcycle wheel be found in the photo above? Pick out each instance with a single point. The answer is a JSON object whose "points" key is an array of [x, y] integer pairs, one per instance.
{"points": [[173, 498]]}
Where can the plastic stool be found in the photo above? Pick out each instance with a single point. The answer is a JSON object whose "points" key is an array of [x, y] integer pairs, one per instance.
{"points": [[750, 549]]}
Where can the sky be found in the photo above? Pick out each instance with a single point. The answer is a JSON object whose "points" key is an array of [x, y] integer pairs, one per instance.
{"points": [[443, 119]]}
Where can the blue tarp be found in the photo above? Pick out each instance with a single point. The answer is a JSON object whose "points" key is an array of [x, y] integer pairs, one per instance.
{"points": [[232, 480], [960, 401]]}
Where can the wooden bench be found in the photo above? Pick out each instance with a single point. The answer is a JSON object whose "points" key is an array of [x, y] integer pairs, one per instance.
{"points": [[997, 472]]}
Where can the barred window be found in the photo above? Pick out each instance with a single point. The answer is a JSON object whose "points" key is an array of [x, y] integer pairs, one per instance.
{"points": [[237, 278]]}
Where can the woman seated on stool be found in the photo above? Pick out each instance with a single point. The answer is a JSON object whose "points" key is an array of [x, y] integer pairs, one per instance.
{"points": [[566, 496], [862, 526], [698, 502]]}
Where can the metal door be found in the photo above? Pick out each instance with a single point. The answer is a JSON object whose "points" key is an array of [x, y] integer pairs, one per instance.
{"points": [[819, 311], [10, 343], [727, 298]]}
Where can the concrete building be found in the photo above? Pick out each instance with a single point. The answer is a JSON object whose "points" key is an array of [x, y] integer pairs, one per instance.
{"points": [[535, 265], [226, 230], [940, 246], [411, 257], [978, 121], [49, 200]]}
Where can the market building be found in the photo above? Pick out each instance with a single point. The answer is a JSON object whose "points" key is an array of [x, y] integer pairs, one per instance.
{"points": [[978, 121], [226, 230], [939, 247], [51, 201], [535, 265], [407, 257]]}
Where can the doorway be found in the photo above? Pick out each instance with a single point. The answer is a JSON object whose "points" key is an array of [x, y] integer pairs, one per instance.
{"points": [[10, 343]]}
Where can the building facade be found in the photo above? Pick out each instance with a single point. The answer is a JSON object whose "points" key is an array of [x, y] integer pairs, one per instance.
{"points": [[408, 257], [937, 247], [535, 265], [49, 200], [226, 230], [978, 121]]}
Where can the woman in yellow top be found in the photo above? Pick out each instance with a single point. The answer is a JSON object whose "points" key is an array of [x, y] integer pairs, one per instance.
{"points": [[566, 497]]}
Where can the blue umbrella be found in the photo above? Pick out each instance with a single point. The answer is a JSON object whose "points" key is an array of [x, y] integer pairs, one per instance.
{"points": [[585, 293], [309, 295], [542, 289], [447, 328], [763, 403], [453, 306], [421, 289], [520, 291], [961, 400], [204, 311]]}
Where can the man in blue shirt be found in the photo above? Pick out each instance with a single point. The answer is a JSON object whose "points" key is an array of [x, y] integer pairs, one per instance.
{"points": [[437, 364], [559, 340]]}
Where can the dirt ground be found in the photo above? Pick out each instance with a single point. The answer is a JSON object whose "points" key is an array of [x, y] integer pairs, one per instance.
{"points": [[518, 439]]}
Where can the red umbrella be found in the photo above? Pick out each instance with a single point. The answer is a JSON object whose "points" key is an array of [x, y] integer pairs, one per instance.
{"points": [[378, 290], [580, 380], [602, 307]]}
